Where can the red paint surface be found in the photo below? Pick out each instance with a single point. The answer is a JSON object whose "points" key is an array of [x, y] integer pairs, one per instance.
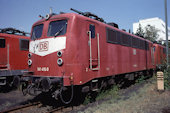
{"points": [[17, 58]]}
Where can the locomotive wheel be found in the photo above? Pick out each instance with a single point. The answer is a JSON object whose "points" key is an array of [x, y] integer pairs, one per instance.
{"points": [[67, 96], [16, 81], [24, 89], [103, 85], [32, 90]]}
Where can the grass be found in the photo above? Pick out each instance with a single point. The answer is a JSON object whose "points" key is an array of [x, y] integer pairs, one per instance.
{"points": [[167, 79], [112, 92], [145, 99], [87, 100], [140, 79]]}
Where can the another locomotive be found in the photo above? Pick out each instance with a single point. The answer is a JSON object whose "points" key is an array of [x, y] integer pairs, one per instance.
{"points": [[14, 46], [159, 56], [80, 50]]}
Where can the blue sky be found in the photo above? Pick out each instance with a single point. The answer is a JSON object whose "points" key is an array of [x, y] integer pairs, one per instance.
{"points": [[21, 14]]}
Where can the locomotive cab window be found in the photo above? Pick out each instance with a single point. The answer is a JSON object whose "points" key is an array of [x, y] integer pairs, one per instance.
{"points": [[2, 43], [92, 29], [57, 28], [37, 31], [24, 44]]}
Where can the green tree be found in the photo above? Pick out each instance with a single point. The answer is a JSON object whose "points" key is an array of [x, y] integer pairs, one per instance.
{"points": [[168, 44], [151, 33], [140, 31]]}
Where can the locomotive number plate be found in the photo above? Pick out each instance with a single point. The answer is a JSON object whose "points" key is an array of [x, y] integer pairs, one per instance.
{"points": [[42, 68]]}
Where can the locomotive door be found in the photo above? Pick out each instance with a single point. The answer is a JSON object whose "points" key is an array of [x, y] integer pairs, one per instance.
{"points": [[94, 48], [152, 55], [3, 54]]}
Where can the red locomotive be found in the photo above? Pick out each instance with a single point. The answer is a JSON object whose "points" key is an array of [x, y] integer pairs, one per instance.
{"points": [[159, 56], [13, 59], [69, 50]]}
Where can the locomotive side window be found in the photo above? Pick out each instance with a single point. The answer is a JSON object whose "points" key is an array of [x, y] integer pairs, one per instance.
{"points": [[2, 43], [111, 36], [119, 37], [135, 42], [24, 44], [154, 48], [92, 29], [126, 40], [147, 45], [37, 32], [57, 28], [141, 44]]}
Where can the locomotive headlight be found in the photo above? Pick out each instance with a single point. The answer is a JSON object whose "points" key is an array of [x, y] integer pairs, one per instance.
{"points": [[59, 61], [59, 53], [29, 62], [29, 55]]}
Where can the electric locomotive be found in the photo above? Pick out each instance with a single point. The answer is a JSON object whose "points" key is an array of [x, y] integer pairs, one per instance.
{"points": [[159, 56], [14, 46], [80, 50]]}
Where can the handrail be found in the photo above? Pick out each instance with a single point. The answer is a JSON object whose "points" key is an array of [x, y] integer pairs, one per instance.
{"points": [[98, 49]]}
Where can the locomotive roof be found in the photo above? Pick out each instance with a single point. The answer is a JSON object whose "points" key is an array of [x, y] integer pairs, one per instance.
{"points": [[73, 15], [5, 35], [157, 44], [14, 31]]}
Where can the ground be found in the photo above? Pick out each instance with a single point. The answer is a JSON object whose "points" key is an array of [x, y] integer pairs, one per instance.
{"points": [[139, 98]]}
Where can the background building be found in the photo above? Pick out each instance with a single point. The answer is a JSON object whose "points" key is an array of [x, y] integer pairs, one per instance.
{"points": [[157, 23]]}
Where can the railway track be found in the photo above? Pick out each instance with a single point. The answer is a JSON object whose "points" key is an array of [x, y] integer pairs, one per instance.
{"points": [[62, 109], [21, 107]]}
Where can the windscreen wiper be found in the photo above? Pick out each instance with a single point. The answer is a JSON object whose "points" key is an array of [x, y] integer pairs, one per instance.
{"points": [[57, 33], [33, 37]]}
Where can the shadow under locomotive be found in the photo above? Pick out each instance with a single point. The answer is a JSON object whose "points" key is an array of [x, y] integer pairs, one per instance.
{"points": [[51, 92]]}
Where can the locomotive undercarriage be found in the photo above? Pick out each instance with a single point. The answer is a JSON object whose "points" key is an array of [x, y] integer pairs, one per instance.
{"points": [[122, 80], [10, 77], [35, 85], [54, 85]]}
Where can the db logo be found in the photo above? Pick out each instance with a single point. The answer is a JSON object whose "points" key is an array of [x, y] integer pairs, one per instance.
{"points": [[43, 46]]}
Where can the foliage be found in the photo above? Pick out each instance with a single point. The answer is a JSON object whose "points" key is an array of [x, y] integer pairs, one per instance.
{"points": [[112, 92], [140, 79], [140, 31], [87, 100], [167, 79], [149, 32]]}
